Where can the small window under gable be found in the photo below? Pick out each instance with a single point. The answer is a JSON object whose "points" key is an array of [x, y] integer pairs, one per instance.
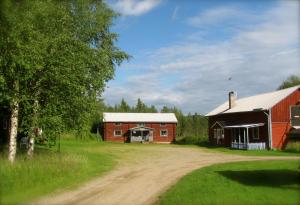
{"points": [[162, 124], [118, 123], [218, 128]]}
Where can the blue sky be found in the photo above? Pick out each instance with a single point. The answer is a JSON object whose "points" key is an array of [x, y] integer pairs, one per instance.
{"points": [[184, 52]]}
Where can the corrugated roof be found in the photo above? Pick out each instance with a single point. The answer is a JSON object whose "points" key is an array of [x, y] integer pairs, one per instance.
{"points": [[257, 102], [139, 117]]}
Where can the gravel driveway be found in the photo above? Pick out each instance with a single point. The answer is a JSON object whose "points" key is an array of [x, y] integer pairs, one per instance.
{"points": [[142, 180]]}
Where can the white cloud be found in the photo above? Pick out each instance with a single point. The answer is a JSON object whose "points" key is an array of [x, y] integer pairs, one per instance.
{"points": [[194, 76], [134, 7], [175, 13], [214, 15]]}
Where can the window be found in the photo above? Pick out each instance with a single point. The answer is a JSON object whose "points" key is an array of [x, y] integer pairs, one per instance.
{"points": [[118, 124], [218, 133], [164, 133], [162, 124], [118, 133], [255, 133], [295, 115], [141, 124]]}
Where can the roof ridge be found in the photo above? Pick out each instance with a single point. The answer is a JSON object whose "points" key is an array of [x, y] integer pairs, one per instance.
{"points": [[260, 101]]}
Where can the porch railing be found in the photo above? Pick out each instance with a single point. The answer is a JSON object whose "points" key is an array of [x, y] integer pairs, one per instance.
{"points": [[249, 146]]}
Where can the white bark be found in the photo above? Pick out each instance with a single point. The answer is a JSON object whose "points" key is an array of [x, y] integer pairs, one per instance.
{"points": [[31, 146], [35, 130], [13, 130]]}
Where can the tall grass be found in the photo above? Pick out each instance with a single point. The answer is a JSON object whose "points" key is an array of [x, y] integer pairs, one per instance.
{"points": [[49, 170], [293, 146], [196, 140]]}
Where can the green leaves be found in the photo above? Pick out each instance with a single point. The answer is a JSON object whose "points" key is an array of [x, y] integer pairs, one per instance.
{"points": [[291, 81], [62, 53]]}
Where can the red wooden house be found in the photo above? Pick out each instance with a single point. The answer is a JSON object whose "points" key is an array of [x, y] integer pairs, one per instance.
{"points": [[256, 122], [139, 127]]}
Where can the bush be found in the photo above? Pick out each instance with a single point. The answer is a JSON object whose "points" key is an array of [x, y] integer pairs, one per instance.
{"points": [[293, 146], [191, 140]]}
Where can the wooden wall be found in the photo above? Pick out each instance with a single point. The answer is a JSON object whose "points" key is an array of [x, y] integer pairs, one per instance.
{"points": [[109, 128], [239, 118], [281, 119]]}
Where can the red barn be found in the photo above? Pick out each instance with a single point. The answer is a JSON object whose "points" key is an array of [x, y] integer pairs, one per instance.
{"points": [[256, 122], [139, 127]]}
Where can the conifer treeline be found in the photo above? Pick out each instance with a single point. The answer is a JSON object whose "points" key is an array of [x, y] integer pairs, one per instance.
{"points": [[191, 125]]}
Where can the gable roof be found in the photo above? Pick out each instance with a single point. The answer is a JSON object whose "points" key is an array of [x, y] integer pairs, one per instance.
{"points": [[139, 117], [263, 101]]}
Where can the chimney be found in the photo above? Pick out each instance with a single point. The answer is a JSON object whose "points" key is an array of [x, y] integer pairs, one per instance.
{"points": [[232, 99]]}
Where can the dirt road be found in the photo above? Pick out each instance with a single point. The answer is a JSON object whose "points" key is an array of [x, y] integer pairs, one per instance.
{"points": [[142, 180]]}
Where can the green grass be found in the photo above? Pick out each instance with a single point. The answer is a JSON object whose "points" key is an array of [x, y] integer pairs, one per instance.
{"points": [[49, 171], [292, 149], [226, 150], [257, 183]]}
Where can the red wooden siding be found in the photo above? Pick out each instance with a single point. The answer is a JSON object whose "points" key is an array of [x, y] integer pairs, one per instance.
{"points": [[281, 119], [109, 128], [281, 111], [280, 132]]}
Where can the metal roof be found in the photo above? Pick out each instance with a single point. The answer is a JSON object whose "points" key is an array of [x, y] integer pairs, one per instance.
{"points": [[257, 102], [245, 125], [139, 117]]}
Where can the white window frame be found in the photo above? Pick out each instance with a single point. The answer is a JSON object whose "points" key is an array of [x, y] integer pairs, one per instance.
{"points": [[118, 123], [117, 135], [215, 133], [218, 133], [166, 135], [255, 137]]}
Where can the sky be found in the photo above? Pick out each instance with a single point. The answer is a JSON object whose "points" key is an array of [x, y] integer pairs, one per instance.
{"points": [[191, 53]]}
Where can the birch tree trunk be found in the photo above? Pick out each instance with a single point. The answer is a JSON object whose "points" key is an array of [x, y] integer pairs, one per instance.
{"points": [[35, 129], [13, 130]]}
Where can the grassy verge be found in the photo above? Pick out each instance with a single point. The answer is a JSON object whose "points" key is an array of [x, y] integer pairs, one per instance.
{"points": [[292, 149], [263, 182], [49, 171]]}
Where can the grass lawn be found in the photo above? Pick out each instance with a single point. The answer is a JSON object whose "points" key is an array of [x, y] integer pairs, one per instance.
{"points": [[253, 152], [261, 182], [49, 170], [293, 149]]}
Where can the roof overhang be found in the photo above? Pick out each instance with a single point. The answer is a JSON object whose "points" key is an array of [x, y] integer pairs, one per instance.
{"points": [[220, 123], [141, 128], [245, 125]]}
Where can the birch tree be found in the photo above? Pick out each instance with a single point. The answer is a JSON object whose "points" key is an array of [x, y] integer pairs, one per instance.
{"points": [[57, 57]]}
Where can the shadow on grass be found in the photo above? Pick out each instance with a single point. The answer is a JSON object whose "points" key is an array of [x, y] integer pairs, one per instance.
{"points": [[268, 178]]}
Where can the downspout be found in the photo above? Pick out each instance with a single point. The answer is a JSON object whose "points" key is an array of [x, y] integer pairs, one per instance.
{"points": [[269, 115]]}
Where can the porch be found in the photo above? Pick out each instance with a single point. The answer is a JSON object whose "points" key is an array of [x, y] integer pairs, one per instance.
{"points": [[240, 135], [141, 134]]}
